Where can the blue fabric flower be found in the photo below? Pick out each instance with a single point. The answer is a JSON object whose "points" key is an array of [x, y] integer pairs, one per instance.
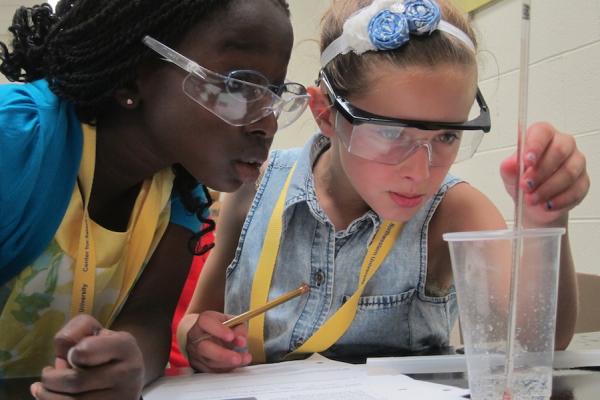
{"points": [[423, 16], [388, 30]]}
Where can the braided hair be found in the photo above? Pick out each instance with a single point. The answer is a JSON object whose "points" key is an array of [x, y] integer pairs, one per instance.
{"points": [[87, 49]]}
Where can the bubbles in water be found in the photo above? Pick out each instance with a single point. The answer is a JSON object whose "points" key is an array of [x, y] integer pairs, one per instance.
{"points": [[533, 384]]}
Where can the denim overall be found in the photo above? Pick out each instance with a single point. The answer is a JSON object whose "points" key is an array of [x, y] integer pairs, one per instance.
{"points": [[394, 314]]}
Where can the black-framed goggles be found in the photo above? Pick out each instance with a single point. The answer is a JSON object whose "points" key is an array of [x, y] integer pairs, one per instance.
{"points": [[392, 140]]}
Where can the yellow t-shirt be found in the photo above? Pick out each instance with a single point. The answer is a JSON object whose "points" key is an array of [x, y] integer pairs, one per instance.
{"points": [[39, 303]]}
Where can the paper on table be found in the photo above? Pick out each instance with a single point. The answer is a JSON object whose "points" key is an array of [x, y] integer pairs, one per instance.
{"points": [[314, 378], [387, 387], [458, 363]]}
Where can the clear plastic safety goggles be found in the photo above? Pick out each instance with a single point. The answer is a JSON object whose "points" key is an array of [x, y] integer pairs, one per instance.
{"points": [[239, 98], [393, 140]]}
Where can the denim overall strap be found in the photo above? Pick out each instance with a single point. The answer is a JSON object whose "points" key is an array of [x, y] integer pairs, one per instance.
{"points": [[337, 324]]}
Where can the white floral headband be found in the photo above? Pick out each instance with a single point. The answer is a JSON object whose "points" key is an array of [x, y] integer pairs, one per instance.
{"points": [[387, 25]]}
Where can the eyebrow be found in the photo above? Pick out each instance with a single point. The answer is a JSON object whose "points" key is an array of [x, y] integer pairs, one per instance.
{"points": [[242, 45]]}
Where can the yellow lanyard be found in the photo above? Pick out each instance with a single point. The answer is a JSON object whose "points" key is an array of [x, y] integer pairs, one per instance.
{"points": [[84, 274], [144, 221], [338, 323]]}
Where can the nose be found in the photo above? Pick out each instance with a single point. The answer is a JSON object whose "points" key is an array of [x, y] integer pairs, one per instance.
{"points": [[427, 145], [266, 127], [416, 166]]}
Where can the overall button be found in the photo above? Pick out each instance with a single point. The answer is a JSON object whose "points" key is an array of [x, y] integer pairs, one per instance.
{"points": [[319, 277], [299, 342]]}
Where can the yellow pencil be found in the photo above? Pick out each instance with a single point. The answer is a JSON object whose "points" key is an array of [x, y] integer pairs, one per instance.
{"points": [[238, 319]]}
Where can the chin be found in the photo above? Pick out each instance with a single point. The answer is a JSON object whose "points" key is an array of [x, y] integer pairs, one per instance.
{"points": [[229, 182], [226, 186], [398, 215]]}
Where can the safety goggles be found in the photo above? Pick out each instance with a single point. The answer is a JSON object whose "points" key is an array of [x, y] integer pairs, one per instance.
{"points": [[392, 140], [239, 98]]}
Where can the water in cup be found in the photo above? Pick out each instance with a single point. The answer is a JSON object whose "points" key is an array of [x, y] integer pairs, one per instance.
{"points": [[481, 263]]}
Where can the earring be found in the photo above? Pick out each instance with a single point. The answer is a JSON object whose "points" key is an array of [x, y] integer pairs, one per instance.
{"points": [[129, 102]]}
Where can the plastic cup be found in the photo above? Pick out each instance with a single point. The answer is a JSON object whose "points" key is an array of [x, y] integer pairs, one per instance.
{"points": [[482, 265]]}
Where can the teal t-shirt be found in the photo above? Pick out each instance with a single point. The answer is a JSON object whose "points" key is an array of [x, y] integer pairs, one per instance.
{"points": [[40, 151]]}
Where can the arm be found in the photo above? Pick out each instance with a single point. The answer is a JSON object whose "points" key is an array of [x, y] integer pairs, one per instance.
{"points": [[560, 178], [149, 309], [554, 181], [463, 209], [210, 289], [210, 292], [117, 363], [567, 308]]}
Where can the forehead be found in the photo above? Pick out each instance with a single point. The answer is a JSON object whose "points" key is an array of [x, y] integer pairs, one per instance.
{"points": [[440, 93], [253, 34]]}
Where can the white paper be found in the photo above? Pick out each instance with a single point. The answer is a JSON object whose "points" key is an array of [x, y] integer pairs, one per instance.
{"points": [[315, 378]]}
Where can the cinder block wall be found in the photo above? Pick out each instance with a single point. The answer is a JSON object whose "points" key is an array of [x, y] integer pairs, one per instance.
{"points": [[4, 39], [7, 10], [564, 88]]}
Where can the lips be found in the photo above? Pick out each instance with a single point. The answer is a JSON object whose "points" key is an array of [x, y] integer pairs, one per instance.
{"points": [[407, 200], [248, 167], [258, 161], [247, 172]]}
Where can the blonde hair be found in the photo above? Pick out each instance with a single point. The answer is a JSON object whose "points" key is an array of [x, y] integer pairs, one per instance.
{"points": [[349, 72]]}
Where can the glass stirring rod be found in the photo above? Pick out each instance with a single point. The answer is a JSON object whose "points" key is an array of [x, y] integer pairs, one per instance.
{"points": [[518, 226]]}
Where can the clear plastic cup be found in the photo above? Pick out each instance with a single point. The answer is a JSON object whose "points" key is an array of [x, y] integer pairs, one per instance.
{"points": [[482, 265]]}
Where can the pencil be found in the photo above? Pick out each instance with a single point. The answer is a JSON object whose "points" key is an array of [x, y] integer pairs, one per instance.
{"points": [[238, 319]]}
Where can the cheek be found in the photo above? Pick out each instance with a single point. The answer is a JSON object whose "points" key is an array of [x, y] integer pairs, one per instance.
{"points": [[436, 177], [367, 177]]}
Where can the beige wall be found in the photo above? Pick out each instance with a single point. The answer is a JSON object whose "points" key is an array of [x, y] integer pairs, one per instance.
{"points": [[7, 10], [564, 89], [4, 39], [304, 65]]}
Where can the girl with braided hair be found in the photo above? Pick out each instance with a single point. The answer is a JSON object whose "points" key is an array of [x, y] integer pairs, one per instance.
{"points": [[122, 113]]}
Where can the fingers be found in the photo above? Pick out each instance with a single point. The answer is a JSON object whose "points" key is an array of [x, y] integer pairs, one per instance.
{"points": [[116, 375], [545, 153], [60, 363], [216, 353], [211, 356], [211, 322], [107, 347], [538, 139], [556, 177], [71, 381], [40, 393], [564, 189], [241, 335], [508, 173], [110, 362], [73, 332]]}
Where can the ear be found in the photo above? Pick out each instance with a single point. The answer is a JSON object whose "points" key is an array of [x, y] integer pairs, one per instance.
{"points": [[321, 110], [127, 97]]}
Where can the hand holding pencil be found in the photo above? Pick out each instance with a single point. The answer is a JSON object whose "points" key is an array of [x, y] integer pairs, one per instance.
{"points": [[227, 335]]}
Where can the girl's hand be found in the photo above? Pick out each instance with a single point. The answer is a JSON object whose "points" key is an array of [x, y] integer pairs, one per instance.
{"points": [[217, 353], [92, 363], [554, 180]]}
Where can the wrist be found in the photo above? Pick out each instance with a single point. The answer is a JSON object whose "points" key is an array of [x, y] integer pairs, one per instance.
{"points": [[561, 221], [183, 329]]}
